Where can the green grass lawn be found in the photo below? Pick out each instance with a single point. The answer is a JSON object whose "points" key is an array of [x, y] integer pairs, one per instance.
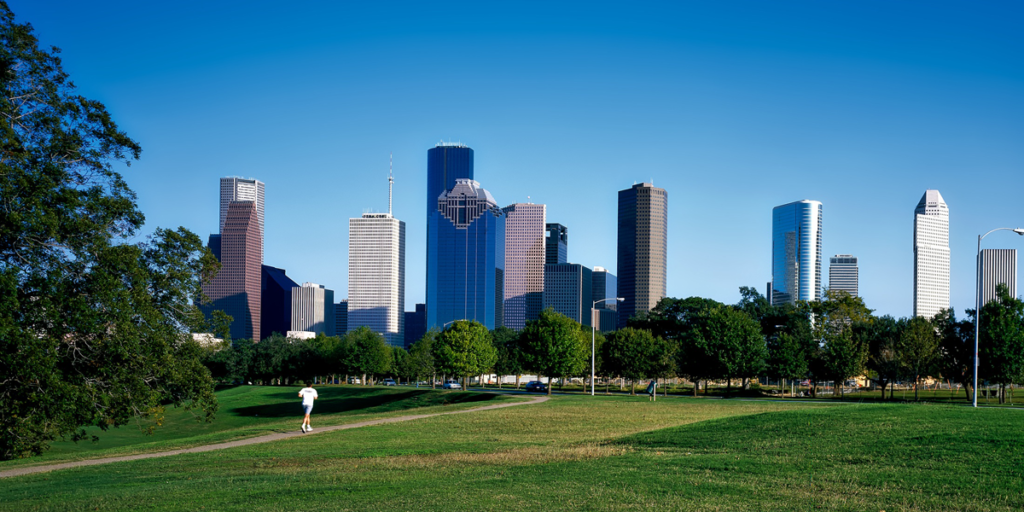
{"points": [[248, 411], [576, 452]]}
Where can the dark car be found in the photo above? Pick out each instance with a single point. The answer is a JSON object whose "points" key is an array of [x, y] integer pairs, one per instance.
{"points": [[536, 385]]}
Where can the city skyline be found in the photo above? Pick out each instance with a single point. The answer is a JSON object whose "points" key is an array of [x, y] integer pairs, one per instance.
{"points": [[719, 107]]}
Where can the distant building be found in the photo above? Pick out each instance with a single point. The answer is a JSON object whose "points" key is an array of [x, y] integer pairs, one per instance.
{"points": [[604, 286], [556, 246], [446, 163], [300, 335], [844, 274], [642, 249], [311, 303], [998, 266], [568, 290], [242, 189], [466, 257], [276, 301], [376, 276], [236, 289], [796, 252], [524, 263], [931, 255], [214, 245], [341, 318], [415, 324]]}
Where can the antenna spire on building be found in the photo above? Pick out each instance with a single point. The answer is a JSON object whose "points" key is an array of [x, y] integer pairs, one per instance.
{"points": [[391, 178]]}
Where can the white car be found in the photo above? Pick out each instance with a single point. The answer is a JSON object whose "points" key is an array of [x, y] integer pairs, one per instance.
{"points": [[451, 385]]}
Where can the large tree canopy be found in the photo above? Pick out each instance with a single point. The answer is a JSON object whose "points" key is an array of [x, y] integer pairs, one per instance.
{"points": [[93, 329]]}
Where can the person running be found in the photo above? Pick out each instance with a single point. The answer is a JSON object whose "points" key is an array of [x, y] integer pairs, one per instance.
{"points": [[308, 394], [652, 391]]}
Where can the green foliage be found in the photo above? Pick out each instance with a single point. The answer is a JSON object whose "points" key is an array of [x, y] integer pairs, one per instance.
{"points": [[464, 349], [956, 347], [919, 345], [554, 345], [509, 354], [883, 341], [635, 354], [842, 354], [1001, 339], [368, 352], [420, 363], [722, 343]]}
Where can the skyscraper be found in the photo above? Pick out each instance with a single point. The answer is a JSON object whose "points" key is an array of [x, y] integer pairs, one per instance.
{"points": [[446, 163], [242, 189], [642, 249], [275, 301], [524, 263], [568, 290], [466, 257], [415, 324], [843, 274], [796, 252], [556, 245], [998, 266], [376, 275], [341, 317], [312, 305], [236, 289], [931, 255], [604, 286]]}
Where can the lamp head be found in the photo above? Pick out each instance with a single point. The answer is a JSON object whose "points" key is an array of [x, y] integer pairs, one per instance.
{"points": [[1019, 231], [619, 299]]}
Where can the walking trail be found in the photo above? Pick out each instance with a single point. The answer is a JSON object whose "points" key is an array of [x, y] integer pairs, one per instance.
{"points": [[252, 440]]}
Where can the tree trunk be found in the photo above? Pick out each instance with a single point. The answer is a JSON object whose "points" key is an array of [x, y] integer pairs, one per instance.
{"points": [[548, 386], [728, 387], [433, 381], [917, 383], [696, 384], [632, 387]]}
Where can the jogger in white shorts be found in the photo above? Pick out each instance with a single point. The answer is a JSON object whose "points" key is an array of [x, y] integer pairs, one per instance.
{"points": [[308, 394]]}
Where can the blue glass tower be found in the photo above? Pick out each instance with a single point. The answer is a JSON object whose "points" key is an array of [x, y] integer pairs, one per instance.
{"points": [[445, 164], [465, 257], [796, 252]]}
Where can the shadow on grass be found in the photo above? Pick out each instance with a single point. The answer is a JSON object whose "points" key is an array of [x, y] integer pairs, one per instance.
{"points": [[359, 400]]}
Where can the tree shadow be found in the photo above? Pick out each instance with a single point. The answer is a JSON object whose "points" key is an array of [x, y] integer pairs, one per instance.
{"points": [[341, 400]]}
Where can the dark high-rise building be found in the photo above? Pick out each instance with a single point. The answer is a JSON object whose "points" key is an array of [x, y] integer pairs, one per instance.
{"points": [[568, 290], [605, 286], [275, 301], [446, 163], [556, 244], [236, 287], [415, 324], [242, 189], [341, 318], [642, 249], [524, 264], [466, 257], [214, 245]]}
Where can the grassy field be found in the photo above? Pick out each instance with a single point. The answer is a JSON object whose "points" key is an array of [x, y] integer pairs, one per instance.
{"points": [[248, 411], [602, 453]]}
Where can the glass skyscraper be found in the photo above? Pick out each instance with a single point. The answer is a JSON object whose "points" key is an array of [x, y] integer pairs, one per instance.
{"points": [[446, 163], [466, 257], [642, 249], [556, 244], [796, 252]]}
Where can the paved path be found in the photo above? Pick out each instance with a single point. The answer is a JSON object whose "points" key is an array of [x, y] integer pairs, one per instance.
{"points": [[252, 440]]}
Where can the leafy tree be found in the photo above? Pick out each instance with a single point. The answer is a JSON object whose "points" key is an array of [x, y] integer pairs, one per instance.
{"points": [[670, 318], [956, 347], [883, 341], [464, 349], [842, 354], [722, 343], [1001, 340], [554, 345], [369, 354], [420, 363], [919, 346], [635, 354], [787, 356], [509, 354], [320, 356], [398, 355]]}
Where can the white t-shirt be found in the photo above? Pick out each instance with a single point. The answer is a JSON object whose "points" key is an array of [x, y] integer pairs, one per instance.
{"points": [[308, 395]]}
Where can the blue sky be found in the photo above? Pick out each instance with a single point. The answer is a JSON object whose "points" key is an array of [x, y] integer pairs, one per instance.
{"points": [[733, 107]]}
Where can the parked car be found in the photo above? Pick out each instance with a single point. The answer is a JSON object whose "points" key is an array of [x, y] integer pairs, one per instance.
{"points": [[536, 385], [451, 385], [354, 380], [389, 382]]}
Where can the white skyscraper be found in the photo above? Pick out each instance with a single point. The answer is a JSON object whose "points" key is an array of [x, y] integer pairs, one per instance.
{"points": [[241, 189], [843, 274], [309, 308], [376, 275], [931, 255]]}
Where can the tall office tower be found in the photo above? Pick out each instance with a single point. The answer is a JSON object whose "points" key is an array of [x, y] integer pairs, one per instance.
{"points": [[843, 274], [604, 286], [341, 318], [568, 288], [446, 163], [466, 258], [236, 287], [376, 276], [931, 255], [643, 249], [796, 252], [415, 324], [311, 304], [275, 301], [524, 263], [242, 189], [556, 246], [998, 266]]}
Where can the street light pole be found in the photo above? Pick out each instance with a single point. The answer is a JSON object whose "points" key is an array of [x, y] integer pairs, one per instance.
{"points": [[593, 340], [977, 305]]}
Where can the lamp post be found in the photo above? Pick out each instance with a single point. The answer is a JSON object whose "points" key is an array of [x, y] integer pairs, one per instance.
{"points": [[593, 339], [977, 305]]}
